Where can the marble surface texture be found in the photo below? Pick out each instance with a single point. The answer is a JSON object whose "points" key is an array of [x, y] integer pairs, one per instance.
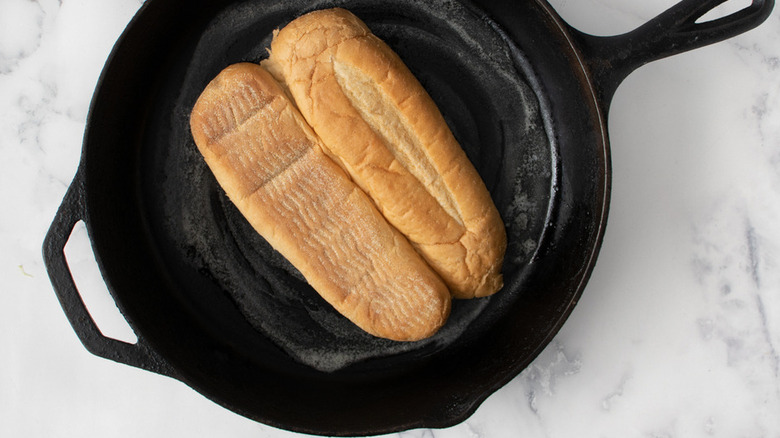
{"points": [[676, 335]]}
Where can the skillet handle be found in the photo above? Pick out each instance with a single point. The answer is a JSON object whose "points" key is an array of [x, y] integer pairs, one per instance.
{"points": [[71, 211], [611, 59]]}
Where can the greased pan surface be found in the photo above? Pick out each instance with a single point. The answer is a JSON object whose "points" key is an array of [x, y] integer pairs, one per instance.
{"points": [[196, 224], [215, 307]]}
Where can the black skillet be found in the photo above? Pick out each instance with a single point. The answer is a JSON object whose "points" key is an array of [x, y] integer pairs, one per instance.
{"points": [[215, 307]]}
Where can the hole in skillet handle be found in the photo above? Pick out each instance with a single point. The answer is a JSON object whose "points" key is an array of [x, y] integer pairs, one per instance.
{"points": [[724, 10], [72, 212], [92, 289], [685, 26]]}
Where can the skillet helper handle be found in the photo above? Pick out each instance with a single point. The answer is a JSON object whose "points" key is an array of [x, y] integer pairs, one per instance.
{"points": [[71, 211], [611, 59]]}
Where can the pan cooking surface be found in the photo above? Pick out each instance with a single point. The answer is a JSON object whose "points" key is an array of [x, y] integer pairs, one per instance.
{"points": [[235, 283]]}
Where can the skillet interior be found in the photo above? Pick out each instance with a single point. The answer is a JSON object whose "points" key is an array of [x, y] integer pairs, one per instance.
{"points": [[235, 321], [223, 264]]}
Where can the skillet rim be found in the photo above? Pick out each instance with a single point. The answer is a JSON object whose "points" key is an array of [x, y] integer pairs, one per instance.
{"points": [[486, 392]]}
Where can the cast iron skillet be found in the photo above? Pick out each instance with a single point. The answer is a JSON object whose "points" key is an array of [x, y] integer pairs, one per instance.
{"points": [[215, 307]]}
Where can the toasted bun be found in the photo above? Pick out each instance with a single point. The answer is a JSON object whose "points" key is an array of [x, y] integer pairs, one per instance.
{"points": [[380, 125], [272, 167]]}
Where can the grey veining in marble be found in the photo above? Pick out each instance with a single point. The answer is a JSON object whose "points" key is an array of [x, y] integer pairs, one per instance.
{"points": [[677, 334]]}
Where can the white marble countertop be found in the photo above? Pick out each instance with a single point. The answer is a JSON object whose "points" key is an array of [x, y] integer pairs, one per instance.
{"points": [[676, 335]]}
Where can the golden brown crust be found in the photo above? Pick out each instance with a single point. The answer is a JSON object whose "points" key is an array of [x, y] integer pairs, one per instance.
{"points": [[271, 165], [380, 125]]}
